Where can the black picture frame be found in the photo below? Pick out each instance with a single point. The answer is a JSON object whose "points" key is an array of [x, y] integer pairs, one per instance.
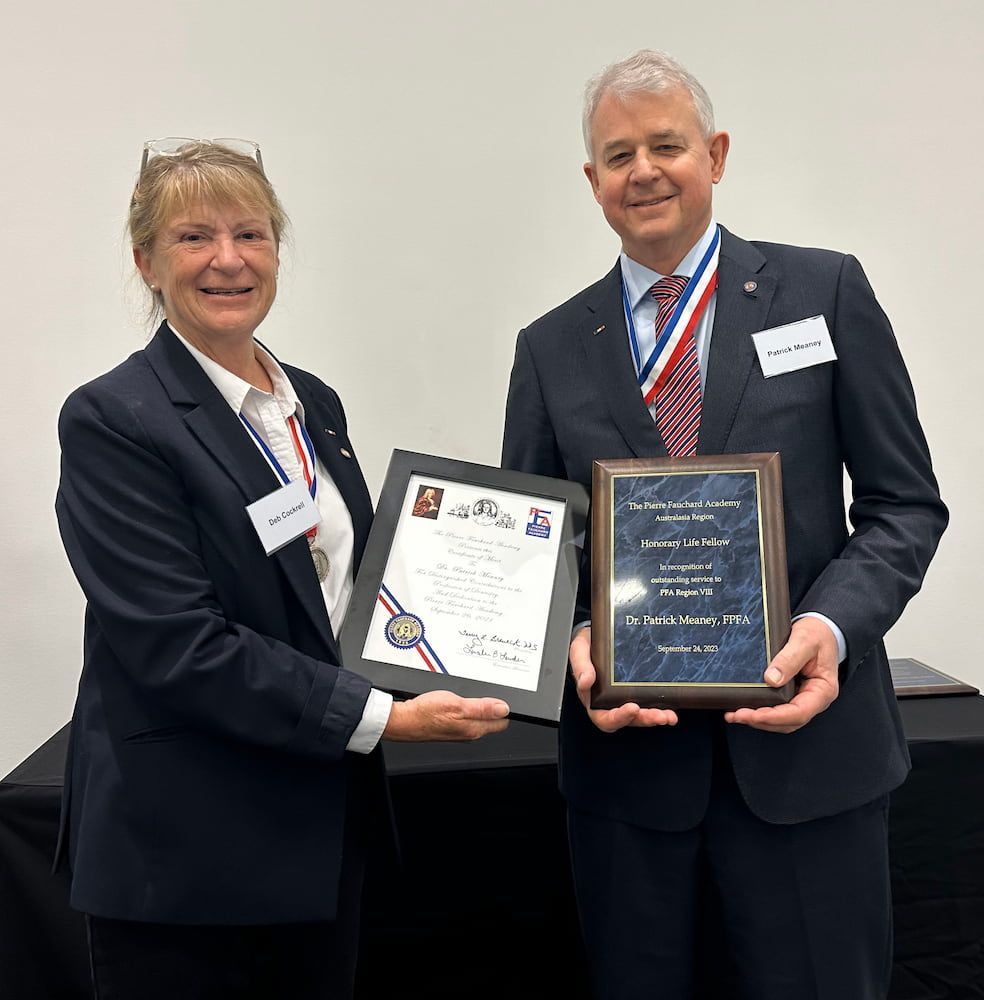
{"points": [[541, 705]]}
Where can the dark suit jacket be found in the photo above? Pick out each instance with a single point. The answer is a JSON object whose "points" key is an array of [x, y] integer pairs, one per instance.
{"points": [[574, 398], [207, 775]]}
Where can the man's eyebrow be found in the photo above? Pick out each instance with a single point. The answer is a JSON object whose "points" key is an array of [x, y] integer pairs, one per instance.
{"points": [[614, 144], [658, 136]]}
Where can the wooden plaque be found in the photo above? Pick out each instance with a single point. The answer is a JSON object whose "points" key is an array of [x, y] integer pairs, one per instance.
{"points": [[690, 595]]}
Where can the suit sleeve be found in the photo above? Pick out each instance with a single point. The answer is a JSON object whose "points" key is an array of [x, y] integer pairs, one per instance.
{"points": [[896, 511], [528, 441], [530, 445], [153, 614]]}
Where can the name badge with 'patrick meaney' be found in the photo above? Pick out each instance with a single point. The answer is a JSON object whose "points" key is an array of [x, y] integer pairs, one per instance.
{"points": [[793, 346], [283, 515]]}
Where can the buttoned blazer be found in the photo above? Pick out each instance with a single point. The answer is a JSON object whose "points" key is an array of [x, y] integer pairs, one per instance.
{"points": [[574, 397], [207, 777]]}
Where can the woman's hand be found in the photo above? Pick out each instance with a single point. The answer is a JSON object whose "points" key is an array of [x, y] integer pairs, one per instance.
{"points": [[441, 715]]}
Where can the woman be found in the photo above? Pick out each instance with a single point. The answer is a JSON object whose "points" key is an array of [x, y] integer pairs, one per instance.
{"points": [[220, 777]]}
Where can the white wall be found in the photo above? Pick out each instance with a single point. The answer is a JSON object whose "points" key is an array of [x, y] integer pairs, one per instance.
{"points": [[430, 156]]}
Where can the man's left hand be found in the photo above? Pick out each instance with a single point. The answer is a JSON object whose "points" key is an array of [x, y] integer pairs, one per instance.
{"points": [[810, 653]]}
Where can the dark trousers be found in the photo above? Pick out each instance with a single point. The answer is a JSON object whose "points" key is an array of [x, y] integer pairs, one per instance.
{"points": [[140, 961], [130, 960], [804, 911]]}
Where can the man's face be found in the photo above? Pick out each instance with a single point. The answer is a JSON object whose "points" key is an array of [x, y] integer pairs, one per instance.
{"points": [[652, 172]]}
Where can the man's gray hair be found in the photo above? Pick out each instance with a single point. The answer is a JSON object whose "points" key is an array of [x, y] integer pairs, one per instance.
{"points": [[648, 71]]}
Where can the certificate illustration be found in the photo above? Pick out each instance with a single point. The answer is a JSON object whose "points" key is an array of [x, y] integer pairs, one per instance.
{"points": [[467, 586]]}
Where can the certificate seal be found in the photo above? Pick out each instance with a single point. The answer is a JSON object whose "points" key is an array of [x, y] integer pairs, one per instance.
{"points": [[485, 511], [404, 630]]}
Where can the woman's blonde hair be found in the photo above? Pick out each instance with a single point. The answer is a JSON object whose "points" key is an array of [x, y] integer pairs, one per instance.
{"points": [[198, 173]]}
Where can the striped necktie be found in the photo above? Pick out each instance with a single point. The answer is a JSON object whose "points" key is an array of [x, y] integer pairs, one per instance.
{"points": [[678, 400]]}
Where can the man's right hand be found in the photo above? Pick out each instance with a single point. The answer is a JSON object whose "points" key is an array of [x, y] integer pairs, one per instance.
{"points": [[608, 720]]}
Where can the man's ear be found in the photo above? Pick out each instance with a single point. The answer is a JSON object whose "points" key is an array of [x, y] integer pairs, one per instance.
{"points": [[718, 145], [592, 176]]}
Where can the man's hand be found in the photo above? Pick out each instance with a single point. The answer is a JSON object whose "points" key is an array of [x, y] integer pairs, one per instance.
{"points": [[441, 715], [610, 719], [811, 653]]}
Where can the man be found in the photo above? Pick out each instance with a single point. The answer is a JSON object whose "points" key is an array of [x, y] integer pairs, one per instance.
{"points": [[781, 810]]}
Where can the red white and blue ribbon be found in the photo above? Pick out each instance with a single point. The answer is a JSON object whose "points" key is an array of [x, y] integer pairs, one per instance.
{"points": [[305, 455], [673, 341], [423, 647]]}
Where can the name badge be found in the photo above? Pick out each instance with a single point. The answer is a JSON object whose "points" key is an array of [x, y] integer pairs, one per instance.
{"points": [[793, 346], [283, 515]]}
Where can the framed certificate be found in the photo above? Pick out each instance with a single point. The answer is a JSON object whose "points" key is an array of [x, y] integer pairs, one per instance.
{"points": [[468, 584], [689, 592]]}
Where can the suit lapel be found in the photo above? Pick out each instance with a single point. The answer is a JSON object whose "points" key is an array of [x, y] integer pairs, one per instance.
{"points": [[209, 417], [345, 472], [606, 344], [744, 296]]}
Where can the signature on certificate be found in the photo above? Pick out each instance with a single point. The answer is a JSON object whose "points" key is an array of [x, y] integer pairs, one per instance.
{"points": [[496, 647]]}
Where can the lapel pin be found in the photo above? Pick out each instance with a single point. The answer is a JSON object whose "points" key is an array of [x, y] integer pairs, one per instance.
{"points": [[328, 430], [346, 453], [600, 329], [749, 287]]}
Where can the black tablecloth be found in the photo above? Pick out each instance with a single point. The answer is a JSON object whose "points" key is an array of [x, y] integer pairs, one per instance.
{"points": [[42, 941], [483, 903]]}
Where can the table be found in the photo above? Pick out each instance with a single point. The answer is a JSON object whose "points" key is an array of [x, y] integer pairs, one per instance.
{"points": [[485, 891]]}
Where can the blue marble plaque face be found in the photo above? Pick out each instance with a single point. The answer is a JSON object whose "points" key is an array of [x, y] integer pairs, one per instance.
{"points": [[687, 601]]}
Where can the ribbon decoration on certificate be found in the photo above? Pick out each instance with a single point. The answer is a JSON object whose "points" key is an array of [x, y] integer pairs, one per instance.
{"points": [[406, 631]]}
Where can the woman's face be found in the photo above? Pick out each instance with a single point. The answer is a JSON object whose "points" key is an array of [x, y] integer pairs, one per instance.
{"points": [[216, 267]]}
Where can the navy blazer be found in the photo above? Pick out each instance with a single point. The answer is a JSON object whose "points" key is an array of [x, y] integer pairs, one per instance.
{"points": [[574, 397], [207, 777]]}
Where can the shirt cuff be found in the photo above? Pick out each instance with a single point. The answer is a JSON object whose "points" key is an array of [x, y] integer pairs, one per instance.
{"points": [[374, 718], [838, 634]]}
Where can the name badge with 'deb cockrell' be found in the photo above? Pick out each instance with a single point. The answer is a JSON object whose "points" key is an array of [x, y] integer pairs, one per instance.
{"points": [[283, 515]]}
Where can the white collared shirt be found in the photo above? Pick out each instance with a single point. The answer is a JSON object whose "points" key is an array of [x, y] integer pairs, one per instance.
{"points": [[268, 414]]}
